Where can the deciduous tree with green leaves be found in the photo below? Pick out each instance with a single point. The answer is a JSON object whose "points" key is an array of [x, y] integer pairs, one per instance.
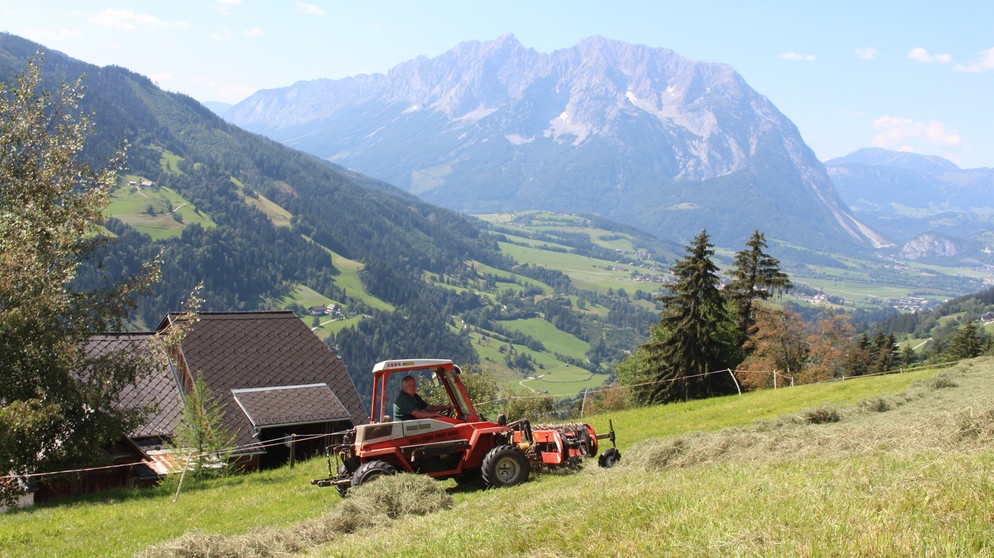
{"points": [[58, 405]]}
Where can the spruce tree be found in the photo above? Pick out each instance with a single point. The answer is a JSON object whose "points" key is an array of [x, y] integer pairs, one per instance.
{"points": [[756, 276], [693, 337], [967, 343], [201, 434]]}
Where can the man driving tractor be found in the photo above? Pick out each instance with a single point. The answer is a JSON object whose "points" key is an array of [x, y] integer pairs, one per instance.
{"points": [[409, 405]]}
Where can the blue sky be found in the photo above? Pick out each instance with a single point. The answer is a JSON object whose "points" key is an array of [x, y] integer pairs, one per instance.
{"points": [[903, 75]]}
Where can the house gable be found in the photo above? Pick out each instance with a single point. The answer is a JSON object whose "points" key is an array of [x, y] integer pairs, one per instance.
{"points": [[260, 356]]}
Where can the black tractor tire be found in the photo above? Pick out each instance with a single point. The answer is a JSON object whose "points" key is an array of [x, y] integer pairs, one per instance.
{"points": [[371, 470], [343, 489], [609, 458], [504, 466]]}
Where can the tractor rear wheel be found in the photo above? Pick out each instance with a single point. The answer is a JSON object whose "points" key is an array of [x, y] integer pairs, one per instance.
{"points": [[504, 466], [371, 470]]}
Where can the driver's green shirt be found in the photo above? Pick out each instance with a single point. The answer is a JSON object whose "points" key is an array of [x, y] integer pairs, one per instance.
{"points": [[405, 404]]}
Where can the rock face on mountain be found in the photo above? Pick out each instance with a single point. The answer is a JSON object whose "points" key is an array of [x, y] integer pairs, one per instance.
{"points": [[929, 245], [635, 134]]}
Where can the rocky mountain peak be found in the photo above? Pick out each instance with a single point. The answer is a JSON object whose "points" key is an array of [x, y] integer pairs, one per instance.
{"points": [[636, 133]]}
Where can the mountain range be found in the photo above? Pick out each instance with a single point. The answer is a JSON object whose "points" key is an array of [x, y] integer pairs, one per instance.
{"points": [[936, 209], [264, 226], [631, 133]]}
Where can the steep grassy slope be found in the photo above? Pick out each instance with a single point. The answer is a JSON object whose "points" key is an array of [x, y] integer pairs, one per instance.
{"points": [[904, 470]]}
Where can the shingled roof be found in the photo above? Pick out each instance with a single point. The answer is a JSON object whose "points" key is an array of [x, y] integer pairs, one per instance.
{"points": [[268, 369], [158, 389]]}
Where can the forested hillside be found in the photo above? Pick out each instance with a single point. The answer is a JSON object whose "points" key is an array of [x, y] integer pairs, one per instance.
{"points": [[263, 222]]}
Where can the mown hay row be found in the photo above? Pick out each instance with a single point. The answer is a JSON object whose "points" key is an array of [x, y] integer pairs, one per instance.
{"points": [[911, 424], [371, 505]]}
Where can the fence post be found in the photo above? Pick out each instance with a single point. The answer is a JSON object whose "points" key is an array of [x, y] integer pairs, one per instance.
{"points": [[183, 475], [729, 370]]}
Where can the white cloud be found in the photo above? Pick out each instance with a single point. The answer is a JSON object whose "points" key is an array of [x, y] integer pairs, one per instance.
{"points": [[309, 8], [124, 19], [900, 133], [49, 36], [866, 53], [224, 6], [253, 32], [983, 63], [222, 35], [797, 56], [922, 55]]}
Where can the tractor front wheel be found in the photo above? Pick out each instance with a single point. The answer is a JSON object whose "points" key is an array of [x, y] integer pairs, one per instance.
{"points": [[371, 470], [504, 466]]}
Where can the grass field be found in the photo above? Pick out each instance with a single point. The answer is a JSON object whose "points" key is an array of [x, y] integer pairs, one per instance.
{"points": [[554, 340], [348, 280], [158, 212], [586, 273], [903, 466]]}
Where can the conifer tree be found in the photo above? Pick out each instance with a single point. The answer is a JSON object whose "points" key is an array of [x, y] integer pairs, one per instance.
{"points": [[967, 343], [201, 433], [885, 352], [692, 339], [756, 276]]}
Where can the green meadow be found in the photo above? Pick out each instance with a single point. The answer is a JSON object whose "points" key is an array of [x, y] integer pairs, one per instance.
{"points": [[895, 465]]}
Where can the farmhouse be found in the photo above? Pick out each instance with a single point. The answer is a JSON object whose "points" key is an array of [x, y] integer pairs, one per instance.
{"points": [[274, 379], [139, 459]]}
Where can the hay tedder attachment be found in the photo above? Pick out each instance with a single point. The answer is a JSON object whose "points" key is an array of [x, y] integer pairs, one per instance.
{"points": [[461, 446]]}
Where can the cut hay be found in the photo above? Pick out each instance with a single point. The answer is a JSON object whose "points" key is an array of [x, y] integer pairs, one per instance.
{"points": [[369, 506], [909, 424], [973, 425], [822, 415]]}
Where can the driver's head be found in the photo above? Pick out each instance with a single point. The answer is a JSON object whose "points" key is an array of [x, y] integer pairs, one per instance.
{"points": [[409, 385]]}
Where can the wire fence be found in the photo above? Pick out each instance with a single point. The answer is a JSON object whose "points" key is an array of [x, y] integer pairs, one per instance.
{"points": [[587, 393]]}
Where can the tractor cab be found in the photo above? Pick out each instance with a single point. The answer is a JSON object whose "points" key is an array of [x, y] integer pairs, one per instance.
{"points": [[443, 371]]}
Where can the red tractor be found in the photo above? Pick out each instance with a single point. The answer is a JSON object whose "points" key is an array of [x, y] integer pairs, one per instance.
{"points": [[461, 445]]}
